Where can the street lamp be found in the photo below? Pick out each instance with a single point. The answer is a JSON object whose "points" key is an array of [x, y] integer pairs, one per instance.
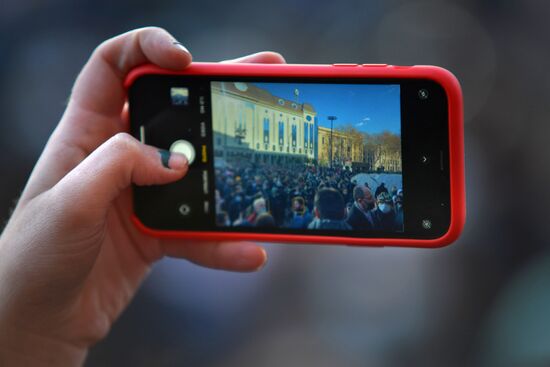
{"points": [[331, 119]]}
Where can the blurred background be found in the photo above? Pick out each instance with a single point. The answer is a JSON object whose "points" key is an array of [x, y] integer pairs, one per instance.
{"points": [[484, 301]]}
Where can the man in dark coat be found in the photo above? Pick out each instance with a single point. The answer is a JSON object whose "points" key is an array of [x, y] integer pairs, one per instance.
{"points": [[359, 218]]}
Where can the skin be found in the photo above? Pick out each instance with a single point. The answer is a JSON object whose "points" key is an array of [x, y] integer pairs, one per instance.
{"points": [[70, 259]]}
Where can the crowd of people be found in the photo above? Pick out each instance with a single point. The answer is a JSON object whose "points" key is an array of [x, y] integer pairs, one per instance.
{"points": [[304, 196]]}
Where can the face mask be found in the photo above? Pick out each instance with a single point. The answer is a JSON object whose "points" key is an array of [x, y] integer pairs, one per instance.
{"points": [[384, 208]]}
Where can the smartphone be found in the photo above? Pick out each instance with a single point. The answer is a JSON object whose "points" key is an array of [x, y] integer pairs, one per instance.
{"points": [[365, 155]]}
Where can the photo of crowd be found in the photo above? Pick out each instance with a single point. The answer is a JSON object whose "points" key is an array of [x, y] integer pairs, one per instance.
{"points": [[304, 197], [307, 156]]}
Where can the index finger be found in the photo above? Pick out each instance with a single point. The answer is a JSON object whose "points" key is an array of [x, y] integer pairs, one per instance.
{"points": [[99, 87]]}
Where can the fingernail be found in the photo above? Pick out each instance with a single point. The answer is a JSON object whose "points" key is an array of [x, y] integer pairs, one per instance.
{"points": [[264, 262], [178, 161], [179, 45], [170, 160], [248, 258]]}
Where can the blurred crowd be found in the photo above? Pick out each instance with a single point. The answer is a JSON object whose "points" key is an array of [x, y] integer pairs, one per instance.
{"points": [[304, 196]]}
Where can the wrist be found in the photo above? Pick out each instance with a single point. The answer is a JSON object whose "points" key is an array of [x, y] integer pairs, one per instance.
{"points": [[21, 348]]}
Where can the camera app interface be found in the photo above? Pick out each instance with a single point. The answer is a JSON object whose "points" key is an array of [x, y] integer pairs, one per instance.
{"points": [[307, 156]]}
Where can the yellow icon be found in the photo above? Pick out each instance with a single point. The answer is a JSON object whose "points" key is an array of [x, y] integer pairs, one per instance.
{"points": [[204, 154]]}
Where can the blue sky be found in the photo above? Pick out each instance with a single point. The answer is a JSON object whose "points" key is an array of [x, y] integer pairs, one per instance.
{"points": [[371, 108]]}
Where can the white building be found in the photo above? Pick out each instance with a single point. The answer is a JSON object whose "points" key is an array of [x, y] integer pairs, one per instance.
{"points": [[250, 123]]}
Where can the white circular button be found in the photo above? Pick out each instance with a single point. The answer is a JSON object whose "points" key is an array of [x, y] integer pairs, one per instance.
{"points": [[184, 147]]}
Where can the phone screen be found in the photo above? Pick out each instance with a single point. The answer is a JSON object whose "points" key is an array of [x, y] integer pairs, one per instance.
{"points": [[341, 157]]}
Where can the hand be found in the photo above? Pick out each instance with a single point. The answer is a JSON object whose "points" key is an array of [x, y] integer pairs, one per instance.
{"points": [[70, 258]]}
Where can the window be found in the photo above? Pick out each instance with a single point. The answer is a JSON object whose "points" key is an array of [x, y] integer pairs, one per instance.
{"points": [[281, 132], [294, 131], [295, 106], [306, 134], [308, 117], [281, 102], [266, 130]]}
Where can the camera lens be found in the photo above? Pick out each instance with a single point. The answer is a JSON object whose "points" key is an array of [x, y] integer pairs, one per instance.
{"points": [[426, 224], [423, 94]]}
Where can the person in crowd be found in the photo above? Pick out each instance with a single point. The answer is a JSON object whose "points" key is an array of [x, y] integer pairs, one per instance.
{"points": [[277, 204], [359, 217], [242, 220], [400, 193], [383, 216], [265, 220], [237, 203], [300, 216], [222, 219], [259, 207], [380, 189], [369, 199], [393, 191], [347, 194], [330, 211], [399, 209], [220, 201]]}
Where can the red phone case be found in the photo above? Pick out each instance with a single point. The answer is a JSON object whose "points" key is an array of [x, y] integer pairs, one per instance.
{"points": [[456, 142]]}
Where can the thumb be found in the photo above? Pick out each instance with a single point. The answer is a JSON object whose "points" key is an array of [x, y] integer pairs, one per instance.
{"points": [[91, 187]]}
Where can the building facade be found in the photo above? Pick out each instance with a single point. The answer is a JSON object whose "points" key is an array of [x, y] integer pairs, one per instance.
{"points": [[252, 124], [346, 148]]}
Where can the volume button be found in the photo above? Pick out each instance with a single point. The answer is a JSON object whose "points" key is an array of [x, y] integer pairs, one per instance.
{"points": [[343, 64]]}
